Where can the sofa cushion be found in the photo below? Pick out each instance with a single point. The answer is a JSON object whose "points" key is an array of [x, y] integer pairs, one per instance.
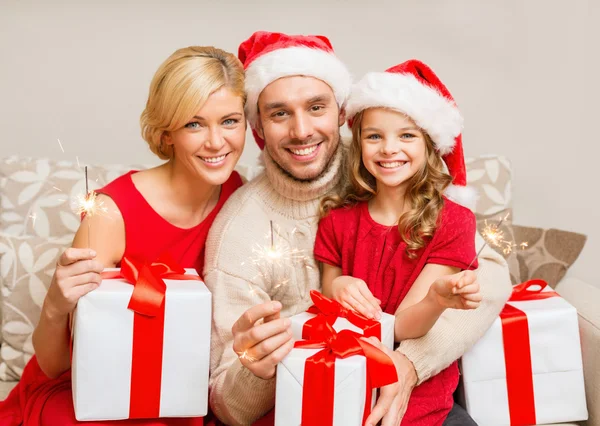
{"points": [[26, 268], [38, 196], [535, 252], [490, 176], [5, 388]]}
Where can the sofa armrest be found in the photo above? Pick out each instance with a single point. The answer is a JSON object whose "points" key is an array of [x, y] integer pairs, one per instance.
{"points": [[586, 299]]}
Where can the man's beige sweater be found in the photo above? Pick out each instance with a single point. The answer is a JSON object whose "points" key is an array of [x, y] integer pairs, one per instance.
{"points": [[239, 278]]}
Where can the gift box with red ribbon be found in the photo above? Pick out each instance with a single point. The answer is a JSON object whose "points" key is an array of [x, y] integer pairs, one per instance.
{"points": [[330, 380], [141, 344], [340, 319], [527, 368]]}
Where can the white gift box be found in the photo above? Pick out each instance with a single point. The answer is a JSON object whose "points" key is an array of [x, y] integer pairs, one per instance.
{"points": [[555, 351], [102, 350], [349, 396], [387, 327]]}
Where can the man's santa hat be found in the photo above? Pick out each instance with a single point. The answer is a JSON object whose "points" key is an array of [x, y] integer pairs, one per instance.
{"points": [[413, 89], [270, 56]]}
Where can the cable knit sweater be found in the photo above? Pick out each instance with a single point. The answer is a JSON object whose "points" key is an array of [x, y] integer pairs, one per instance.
{"points": [[238, 280]]}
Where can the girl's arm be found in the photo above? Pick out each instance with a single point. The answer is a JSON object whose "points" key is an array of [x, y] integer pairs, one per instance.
{"points": [[77, 273], [437, 288]]}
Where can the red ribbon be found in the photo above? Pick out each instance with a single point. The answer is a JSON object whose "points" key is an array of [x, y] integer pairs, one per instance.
{"points": [[148, 303], [319, 371], [517, 352], [331, 310]]}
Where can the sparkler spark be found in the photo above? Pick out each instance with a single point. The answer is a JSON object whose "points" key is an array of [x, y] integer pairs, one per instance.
{"points": [[61, 147], [33, 217], [494, 236], [274, 259]]}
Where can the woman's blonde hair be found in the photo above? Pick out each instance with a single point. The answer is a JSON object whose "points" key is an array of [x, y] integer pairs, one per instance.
{"points": [[424, 195], [180, 87]]}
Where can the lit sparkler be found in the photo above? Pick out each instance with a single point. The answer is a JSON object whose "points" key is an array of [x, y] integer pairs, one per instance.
{"points": [[273, 259], [494, 236]]}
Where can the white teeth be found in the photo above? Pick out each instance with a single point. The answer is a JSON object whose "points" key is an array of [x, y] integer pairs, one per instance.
{"points": [[304, 151], [391, 165], [214, 159]]}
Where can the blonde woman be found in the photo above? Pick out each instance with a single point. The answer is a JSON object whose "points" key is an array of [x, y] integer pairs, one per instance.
{"points": [[194, 119]]}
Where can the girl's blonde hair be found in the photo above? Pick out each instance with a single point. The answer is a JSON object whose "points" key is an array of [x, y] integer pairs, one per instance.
{"points": [[424, 195], [180, 87]]}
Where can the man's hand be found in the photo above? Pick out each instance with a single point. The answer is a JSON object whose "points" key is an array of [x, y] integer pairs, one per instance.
{"points": [[393, 398], [261, 345]]}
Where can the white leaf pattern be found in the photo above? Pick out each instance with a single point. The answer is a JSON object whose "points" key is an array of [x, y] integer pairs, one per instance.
{"points": [[508, 193], [43, 168], [40, 224], [505, 162], [6, 263], [69, 220], [17, 327], [29, 192], [7, 352], [4, 248], [37, 290], [475, 175], [5, 203], [493, 194], [25, 176], [492, 166], [26, 256], [493, 210], [10, 217], [68, 174], [16, 229], [52, 200], [6, 291], [45, 259]]}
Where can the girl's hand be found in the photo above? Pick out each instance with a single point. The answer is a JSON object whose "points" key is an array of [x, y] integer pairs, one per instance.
{"points": [[458, 291], [353, 293], [77, 273]]}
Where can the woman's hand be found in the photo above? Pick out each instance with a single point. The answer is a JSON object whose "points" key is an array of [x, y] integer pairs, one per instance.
{"points": [[77, 273]]}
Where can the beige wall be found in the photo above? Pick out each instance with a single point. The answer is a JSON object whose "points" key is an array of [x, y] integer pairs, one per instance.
{"points": [[520, 70]]}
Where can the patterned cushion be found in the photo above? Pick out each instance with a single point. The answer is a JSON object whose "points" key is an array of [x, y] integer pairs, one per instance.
{"points": [[38, 196], [26, 269], [538, 253], [490, 176]]}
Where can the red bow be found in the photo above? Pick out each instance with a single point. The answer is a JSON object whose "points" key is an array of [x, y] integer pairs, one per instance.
{"points": [[319, 371], [517, 352], [330, 311], [148, 303]]}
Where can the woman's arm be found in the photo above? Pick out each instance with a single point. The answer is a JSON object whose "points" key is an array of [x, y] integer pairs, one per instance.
{"points": [[77, 273]]}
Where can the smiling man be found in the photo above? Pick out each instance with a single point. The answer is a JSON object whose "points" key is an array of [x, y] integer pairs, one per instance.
{"points": [[296, 90]]}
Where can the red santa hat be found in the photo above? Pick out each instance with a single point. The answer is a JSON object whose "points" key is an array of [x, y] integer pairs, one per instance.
{"points": [[413, 89], [270, 56]]}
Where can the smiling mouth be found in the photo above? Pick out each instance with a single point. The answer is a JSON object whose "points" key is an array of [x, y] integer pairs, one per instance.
{"points": [[213, 159], [304, 151], [391, 164]]}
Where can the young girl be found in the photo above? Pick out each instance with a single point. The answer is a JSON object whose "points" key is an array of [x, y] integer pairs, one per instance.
{"points": [[387, 241]]}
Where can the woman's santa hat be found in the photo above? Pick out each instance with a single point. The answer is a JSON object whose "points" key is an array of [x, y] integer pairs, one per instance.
{"points": [[270, 56], [413, 89]]}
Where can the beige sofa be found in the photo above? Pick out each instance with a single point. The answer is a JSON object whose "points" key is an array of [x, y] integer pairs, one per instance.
{"points": [[36, 222]]}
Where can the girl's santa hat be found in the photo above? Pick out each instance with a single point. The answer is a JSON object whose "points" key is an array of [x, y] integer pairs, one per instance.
{"points": [[270, 56], [413, 89]]}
